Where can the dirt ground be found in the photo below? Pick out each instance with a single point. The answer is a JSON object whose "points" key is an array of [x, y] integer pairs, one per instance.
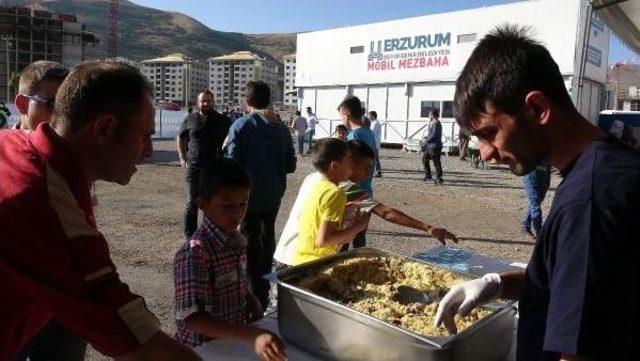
{"points": [[143, 221]]}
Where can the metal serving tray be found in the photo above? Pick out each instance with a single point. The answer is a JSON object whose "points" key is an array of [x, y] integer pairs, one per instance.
{"points": [[336, 332]]}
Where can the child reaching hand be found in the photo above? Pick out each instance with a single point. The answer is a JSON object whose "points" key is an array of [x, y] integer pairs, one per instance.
{"points": [[321, 232], [212, 297]]}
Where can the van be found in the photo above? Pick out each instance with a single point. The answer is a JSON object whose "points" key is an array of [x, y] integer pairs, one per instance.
{"points": [[624, 125]]}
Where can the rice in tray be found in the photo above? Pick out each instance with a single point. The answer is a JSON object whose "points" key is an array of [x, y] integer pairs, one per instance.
{"points": [[368, 285]]}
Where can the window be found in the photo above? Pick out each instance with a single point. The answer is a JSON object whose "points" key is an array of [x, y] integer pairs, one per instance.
{"points": [[467, 38], [447, 109], [356, 49], [426, 106]]}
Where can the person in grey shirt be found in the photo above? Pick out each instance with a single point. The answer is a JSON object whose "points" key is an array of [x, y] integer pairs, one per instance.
{"points": [[300, 125]]}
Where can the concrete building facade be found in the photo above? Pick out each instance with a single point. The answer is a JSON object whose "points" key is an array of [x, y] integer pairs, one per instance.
{"points": [[29, 35], [290, 95], [177, 78], [229, 74]]}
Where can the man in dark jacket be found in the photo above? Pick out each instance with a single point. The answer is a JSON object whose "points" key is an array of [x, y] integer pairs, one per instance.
{"points": [[263, 145], [432, 146], [199, 140]]}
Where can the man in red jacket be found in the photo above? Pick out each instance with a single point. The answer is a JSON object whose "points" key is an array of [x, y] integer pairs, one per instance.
{"points": [[53, 260]]}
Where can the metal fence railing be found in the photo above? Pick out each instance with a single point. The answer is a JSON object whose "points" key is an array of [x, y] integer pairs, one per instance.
{"points": [[168, 123]]}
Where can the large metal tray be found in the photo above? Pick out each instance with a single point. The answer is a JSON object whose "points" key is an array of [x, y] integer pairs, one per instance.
{"points": [[335, 332]]}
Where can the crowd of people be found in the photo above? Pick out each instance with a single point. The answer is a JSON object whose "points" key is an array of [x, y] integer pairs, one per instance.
{"points": [[95, 122]]}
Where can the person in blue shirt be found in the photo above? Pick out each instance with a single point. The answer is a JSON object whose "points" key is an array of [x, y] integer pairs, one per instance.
{"points": [[262, 144], [536, 184], [351, 113], [578, 298]]}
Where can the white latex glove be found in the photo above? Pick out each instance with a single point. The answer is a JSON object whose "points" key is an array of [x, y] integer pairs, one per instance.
{"points": [[464, 297]]}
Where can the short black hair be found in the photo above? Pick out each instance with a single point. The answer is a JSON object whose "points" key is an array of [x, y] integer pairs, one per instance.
{"points": [[258, 94], [206, 92], [341, 127], [327, 150], [297, 112], [36, 73], [309, 108], [220, 174], [502, 69], [360, 150], [435, 112], [352, 104], [96, 87], [374, 114]]}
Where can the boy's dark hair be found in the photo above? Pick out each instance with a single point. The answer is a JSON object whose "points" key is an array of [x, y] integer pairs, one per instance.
{"points": [[352, 104], [309, 109], [360, 150], [374, 114], [97, 87], [219, 174], [341, 127], [503, 68], [258, 94], [297, 112], [327, 150], [38, 72], [435, 112]]}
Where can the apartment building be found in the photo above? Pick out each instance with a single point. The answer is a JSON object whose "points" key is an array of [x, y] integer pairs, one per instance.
{"points": [[177, 78], [229, 74], [290, 94]]}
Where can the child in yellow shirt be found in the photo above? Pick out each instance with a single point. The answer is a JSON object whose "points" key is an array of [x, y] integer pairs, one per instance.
{"points": [[323, 212]]}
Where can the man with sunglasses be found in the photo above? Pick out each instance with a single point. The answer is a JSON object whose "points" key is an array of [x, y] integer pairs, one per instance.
{"points": [[39, 83]]}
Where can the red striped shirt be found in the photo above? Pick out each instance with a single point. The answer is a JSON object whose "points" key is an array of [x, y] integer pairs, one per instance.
{"points": [[53, 260]]}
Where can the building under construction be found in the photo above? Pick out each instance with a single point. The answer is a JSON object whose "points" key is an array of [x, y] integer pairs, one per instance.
{"points": [[29, 35]]}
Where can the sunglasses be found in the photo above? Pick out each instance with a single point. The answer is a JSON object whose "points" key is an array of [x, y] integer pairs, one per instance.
{"points": [[49, 103]]}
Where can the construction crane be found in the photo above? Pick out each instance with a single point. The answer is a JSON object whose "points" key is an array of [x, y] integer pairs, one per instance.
{"points": [[112, 42]]}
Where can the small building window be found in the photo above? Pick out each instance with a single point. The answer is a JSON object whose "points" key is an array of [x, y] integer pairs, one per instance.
{"points": [[467, 38], [447, 109], [426, 106]]}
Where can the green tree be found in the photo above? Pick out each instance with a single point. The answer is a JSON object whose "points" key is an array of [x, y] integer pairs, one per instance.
{"points": [[13, 84]]}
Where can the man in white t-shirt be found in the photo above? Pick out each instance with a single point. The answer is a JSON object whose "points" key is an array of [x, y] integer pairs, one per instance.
{"points": [[356, 200], [311, 130], [376, 128]]}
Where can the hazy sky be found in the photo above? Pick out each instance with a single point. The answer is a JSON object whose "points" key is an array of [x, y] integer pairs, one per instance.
{"points": [[281, 16]]}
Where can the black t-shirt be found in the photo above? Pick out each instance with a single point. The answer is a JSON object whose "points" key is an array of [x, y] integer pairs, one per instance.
{"points": [[204, 135], [582, 286]]}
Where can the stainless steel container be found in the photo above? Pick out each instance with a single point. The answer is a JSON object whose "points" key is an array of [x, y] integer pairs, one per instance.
{"points": [[335, 332]]}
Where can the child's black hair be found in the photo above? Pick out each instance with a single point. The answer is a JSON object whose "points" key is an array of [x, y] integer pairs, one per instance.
{"points": [[360, 150], [220, 174], [351, 104], [328, 150]]}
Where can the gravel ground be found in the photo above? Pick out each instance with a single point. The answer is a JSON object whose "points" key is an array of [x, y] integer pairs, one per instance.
{"points": [[143, 221]]}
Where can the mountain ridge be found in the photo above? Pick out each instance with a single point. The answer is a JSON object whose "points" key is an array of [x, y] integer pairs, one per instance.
{"points": [[146, 33]]}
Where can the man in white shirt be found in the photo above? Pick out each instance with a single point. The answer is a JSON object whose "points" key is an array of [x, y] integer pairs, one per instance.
{"points": [[300, 126], [311, 130], [376, 128], [356, 200]]}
